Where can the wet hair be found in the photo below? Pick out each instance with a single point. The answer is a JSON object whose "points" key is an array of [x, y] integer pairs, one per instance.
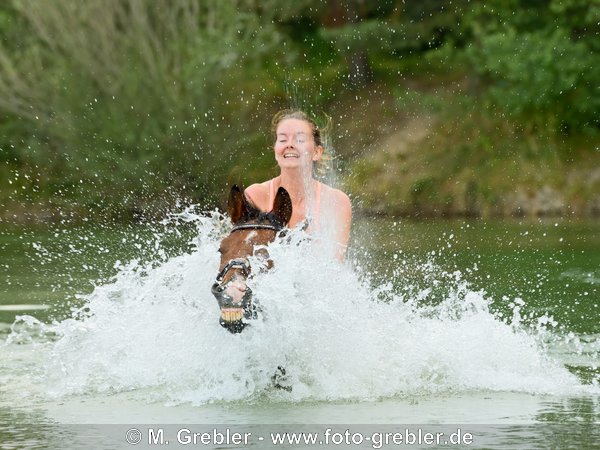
{"points": [[319, 134]]}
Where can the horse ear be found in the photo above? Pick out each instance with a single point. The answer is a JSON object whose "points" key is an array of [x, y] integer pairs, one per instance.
{"points": [[282, 206], [236, 204]]}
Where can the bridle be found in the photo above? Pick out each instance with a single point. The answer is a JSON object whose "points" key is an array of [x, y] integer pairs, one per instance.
{"points": [[241, 263], [234, 311]]}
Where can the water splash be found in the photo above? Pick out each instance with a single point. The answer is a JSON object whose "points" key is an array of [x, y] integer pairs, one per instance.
{"points": [[340, 336]]}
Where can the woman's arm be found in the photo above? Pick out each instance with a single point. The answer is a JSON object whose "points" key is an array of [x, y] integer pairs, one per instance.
{"points": [[343, 222]]}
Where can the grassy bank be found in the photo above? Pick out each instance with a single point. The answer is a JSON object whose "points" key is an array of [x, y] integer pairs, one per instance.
{"points": [[402, 148], [439, 153]]}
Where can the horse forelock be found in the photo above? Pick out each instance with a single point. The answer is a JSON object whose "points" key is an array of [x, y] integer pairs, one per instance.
{"points": [[255, 215]]}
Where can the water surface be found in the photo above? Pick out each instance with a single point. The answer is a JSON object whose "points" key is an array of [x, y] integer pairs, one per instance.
{"points": [[492, 325]]}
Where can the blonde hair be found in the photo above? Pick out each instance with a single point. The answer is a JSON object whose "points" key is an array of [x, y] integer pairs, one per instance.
{"points": [[319, 134]]}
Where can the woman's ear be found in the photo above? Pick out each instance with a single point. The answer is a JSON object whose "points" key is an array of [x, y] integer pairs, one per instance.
{"points": [[282, 206], [318, 153]]}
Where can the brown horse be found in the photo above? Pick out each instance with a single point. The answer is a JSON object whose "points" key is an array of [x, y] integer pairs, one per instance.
{"points": [[251, 228]]}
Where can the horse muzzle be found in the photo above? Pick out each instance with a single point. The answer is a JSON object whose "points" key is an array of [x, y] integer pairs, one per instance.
{"points": [[233, 310]]}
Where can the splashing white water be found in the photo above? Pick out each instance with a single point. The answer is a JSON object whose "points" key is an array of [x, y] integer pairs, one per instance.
{"points": [[155, 328]]}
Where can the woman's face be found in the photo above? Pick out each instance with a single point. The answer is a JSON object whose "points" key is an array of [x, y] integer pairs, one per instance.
{"points": [[295, 145]]}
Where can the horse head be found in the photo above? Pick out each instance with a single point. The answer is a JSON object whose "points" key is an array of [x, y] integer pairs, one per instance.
{"points": [[252, 231]]}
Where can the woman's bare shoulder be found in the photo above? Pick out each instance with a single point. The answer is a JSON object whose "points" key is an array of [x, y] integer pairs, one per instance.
{"points": [[258, 194], [338, 197]]}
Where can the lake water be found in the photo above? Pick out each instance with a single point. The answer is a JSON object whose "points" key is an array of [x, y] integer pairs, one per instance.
{"points": [[475, 329]]}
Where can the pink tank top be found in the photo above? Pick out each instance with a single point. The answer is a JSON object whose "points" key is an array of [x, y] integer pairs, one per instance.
{"points": [[317, 208]]}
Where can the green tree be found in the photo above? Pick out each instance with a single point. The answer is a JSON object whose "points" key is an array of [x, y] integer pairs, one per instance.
{"points": [[538, 61], [120, 101]]}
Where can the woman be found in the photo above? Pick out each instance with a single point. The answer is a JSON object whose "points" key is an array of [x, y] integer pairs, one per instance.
{"points": [[299, 150]]}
